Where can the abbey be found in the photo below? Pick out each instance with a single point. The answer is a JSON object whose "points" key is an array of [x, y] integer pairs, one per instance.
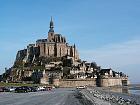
{"points": [[54, 46]]}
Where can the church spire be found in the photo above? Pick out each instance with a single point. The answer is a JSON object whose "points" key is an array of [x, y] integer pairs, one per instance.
{"points": [[51, 25]]}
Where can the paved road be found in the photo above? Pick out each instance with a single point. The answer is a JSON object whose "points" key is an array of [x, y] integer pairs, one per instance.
{"points": [[54, 97]]}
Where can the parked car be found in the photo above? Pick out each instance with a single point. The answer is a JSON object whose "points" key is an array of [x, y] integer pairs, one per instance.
{"points": [[80, 87], [21, 90], [33, 89], [27, 88], [41, 88], [11, 89], [4, 89], [1, 89], [49, 88]]}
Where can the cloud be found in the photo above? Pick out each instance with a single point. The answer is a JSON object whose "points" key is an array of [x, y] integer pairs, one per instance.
{"points": [[120, 56]]}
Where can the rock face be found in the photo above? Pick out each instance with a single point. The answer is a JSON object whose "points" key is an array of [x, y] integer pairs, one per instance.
{"points": [[54, 61]]}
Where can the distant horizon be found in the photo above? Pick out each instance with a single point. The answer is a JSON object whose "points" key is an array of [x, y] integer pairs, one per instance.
{"points": [[105, 32]]}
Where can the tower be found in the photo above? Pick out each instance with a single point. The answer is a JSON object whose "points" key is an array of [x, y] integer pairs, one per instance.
{"points": [[51, 25], [51, 32], [74, 51]]}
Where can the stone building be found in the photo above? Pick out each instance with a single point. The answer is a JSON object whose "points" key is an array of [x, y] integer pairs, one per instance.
{"points": [[55, 45]]}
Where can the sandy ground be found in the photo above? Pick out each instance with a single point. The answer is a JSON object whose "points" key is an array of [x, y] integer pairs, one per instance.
{"points": [[61, 96], [68, 96]]}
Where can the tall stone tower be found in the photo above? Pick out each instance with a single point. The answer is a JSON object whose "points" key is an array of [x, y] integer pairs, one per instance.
{"points": [[51, 32]]}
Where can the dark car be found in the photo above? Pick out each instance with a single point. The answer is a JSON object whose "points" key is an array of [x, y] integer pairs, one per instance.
{"points": [[49, 88], [27, 88], [21, 90], [33, 89], [4, 89]]}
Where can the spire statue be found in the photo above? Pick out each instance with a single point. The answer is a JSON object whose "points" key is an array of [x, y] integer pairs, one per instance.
{"points": [[51, 25]]}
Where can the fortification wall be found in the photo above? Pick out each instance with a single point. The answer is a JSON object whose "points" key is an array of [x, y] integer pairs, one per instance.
{"points": [[105, 82], [76, 82]]}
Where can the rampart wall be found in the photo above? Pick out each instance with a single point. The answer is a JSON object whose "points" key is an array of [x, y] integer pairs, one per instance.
{"points": [[113, 81], [76, 82], [103, 82]]}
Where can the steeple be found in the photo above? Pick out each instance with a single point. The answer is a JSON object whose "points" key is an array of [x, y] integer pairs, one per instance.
{"points": [[74, 45], [51, 25]]}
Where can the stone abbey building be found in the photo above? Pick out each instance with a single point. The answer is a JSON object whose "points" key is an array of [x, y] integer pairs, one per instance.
{"points": [[54, 46], [53, 61]]}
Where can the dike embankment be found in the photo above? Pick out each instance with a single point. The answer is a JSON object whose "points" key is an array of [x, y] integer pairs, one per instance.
{"points": [[103, 96]]}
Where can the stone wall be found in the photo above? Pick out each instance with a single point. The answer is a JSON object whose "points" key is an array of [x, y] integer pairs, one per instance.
{"points": [[76, 82], [104, 82], [61, 49], [112, 81], [42, 48]]}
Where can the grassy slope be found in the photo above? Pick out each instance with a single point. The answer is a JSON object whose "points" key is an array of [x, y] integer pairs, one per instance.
{"points": [[17, 84]]}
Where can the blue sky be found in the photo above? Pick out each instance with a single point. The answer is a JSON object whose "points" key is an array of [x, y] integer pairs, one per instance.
{"points": [[105, 31]]}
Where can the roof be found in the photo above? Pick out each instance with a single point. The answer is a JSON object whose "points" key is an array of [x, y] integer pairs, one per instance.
{"points": [[105, 70]]}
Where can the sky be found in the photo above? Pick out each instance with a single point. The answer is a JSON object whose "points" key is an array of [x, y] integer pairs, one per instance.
{"points": [[104, 31]]}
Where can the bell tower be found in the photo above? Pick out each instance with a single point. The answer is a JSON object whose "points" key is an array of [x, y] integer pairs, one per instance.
{"points": [[51, 32], [51, 25]]}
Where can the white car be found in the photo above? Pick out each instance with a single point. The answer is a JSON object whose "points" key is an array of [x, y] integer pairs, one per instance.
{"points": [[11, 89], [81, 87], [41, 88]]}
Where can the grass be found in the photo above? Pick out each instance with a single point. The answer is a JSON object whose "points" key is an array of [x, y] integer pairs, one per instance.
{"points": [[2, 84]]}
